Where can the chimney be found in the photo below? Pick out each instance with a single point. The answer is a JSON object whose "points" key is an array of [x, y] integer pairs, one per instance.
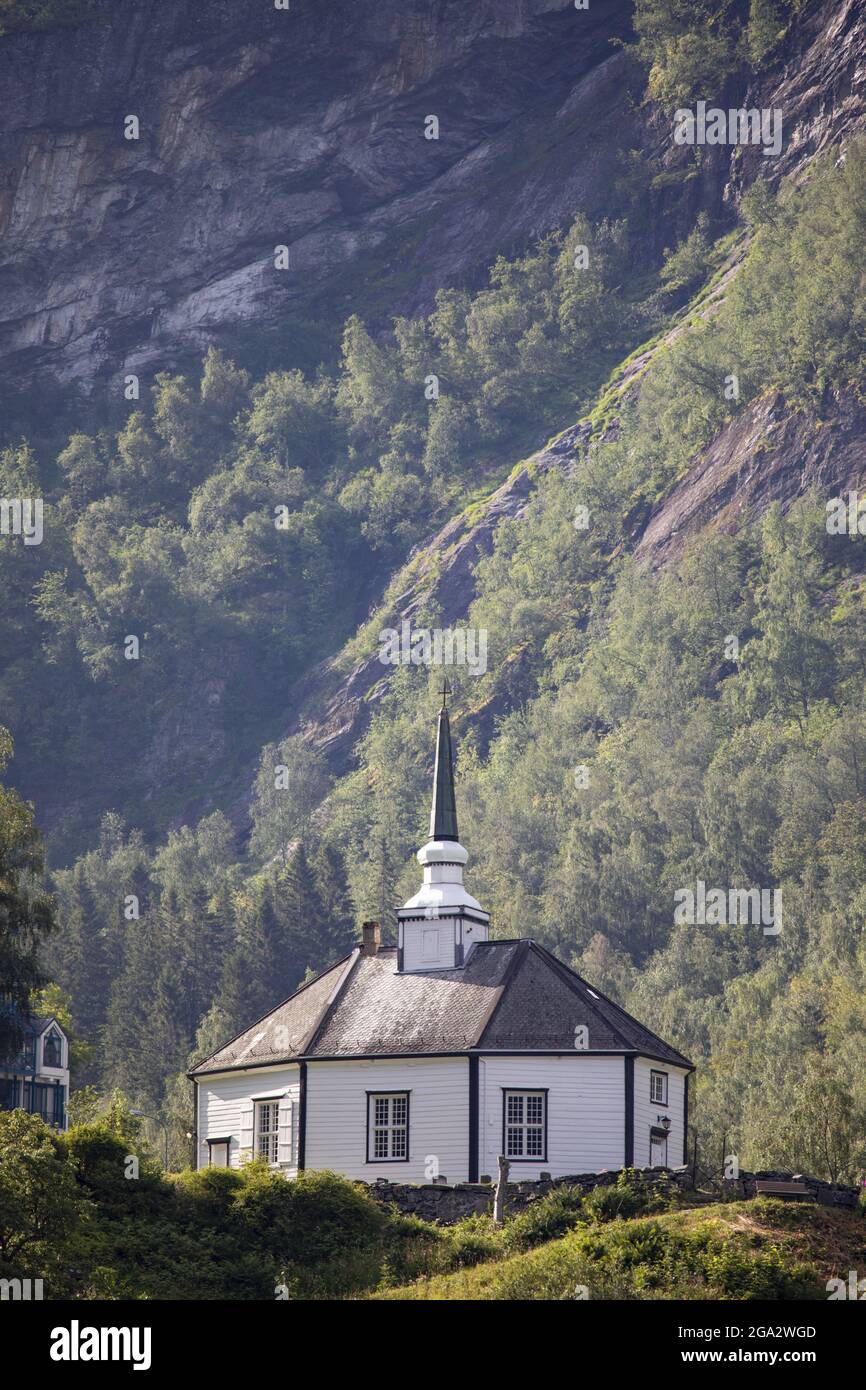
{"points": [[372, 939]]}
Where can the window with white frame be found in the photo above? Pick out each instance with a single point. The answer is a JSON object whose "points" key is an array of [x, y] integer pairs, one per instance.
{"points": [[659, 1087], [387, 1126], [52, 1050], [525, 1124], [268, 1130]]}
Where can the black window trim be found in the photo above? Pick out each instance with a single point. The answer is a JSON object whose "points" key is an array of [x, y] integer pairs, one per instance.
{"points": [[212, 1143], [523, 1090], [404, 1092], [653, 1099]]}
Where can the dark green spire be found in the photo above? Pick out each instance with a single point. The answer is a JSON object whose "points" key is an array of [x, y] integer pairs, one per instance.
{"points": [[443, 813]]}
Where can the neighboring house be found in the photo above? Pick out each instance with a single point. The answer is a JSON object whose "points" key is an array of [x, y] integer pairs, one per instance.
{"points": [[433, 1058], [37, 1080]]}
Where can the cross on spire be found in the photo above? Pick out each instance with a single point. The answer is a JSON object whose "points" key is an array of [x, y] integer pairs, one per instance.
{"points": [[445, 692]]}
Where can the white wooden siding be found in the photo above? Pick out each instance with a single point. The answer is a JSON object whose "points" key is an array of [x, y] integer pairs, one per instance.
{"points": [[438, 1117], [646, 1112], [429, 945], [585, 1112], [225, 1107]]}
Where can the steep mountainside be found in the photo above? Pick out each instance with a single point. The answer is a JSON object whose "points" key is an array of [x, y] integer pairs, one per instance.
{"points": [[771, 452], [303, 128]]}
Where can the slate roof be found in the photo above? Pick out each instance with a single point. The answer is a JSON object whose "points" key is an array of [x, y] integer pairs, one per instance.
{"points": [[509, 996]]}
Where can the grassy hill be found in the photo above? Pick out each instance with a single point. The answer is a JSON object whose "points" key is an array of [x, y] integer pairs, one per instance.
{"points": [[760, 1249]]}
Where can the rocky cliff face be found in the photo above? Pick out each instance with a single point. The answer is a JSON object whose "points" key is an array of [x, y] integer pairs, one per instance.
{"points": [[301, 127], [124, 255], [769, 453]]}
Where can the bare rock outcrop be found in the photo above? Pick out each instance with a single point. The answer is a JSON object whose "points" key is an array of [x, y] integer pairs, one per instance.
{"points": [[130, 254], [771, 452]]}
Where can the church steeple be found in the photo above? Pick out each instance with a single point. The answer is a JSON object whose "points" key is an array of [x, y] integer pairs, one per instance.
{"points": [[443, 812], [439, 926]]}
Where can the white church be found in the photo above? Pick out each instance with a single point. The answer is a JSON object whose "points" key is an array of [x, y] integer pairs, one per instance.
{"points": [[432, 1059]]}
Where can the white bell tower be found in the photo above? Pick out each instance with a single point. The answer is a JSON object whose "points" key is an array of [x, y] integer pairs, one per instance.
{"points": [[437, 928]]}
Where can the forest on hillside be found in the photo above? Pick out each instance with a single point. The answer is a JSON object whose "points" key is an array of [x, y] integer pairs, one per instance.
{"points": [[637, 730]]}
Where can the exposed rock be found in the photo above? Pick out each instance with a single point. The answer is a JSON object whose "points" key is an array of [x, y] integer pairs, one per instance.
{"points": [[131, 255], [124, 255], [246, 142], [818, 82], [769, 453]]}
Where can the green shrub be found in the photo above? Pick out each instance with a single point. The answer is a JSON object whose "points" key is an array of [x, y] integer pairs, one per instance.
{"points": [[546, 1219], [647, 1260], [469, 1242], [314, 1219], [622, 1201]]}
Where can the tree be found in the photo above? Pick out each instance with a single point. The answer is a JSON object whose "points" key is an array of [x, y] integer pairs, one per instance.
{"points": [[293, 421], [793, 664], [762, 31], [821, 1132], [687, 46], [259, 971], [291, 782], [338, 910], [371, 392], [79, 959], [26, 911], [41, 1204]]}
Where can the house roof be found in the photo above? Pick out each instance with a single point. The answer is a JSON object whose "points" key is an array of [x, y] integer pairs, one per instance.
{"points": [[35, 1027], [508, 996]]}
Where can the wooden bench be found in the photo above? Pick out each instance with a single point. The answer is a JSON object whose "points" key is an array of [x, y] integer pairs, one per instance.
{"points": [[765, 1187]]}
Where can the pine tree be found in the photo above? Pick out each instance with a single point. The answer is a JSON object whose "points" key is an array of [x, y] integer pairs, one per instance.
{"points": [[300, 908], [338, 910], [79, 961], [26, 915], [239, 998], [256, 974]]}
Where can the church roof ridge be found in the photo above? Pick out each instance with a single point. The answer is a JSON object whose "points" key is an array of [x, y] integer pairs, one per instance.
{"points": [[499, 1000]]}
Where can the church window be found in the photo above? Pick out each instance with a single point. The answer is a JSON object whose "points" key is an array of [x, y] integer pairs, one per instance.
{"points": [[659, 1087], [525, 1125], [387, 1127], [267, 1129]]}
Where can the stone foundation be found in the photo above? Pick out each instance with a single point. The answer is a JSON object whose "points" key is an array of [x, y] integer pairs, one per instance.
{"points": [[445, 1205]]}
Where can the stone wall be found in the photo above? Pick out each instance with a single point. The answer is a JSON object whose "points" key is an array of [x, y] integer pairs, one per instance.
{"points": [[827, 1193], [445, 1204]]}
